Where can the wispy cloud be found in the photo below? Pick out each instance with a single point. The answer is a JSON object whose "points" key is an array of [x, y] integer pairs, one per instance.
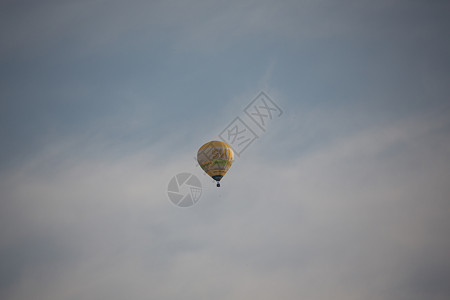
{"points": [[358, 218], [345, 196]]}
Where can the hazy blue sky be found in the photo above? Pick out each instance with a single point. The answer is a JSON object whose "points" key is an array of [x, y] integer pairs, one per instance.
{"points": [[345, 196]]}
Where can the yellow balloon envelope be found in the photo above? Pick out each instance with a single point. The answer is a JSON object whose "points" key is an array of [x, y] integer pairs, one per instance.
{"points": [[215, 158]]}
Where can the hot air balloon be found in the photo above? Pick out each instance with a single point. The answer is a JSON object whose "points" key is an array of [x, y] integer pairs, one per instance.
{"points": [[215, 158]]}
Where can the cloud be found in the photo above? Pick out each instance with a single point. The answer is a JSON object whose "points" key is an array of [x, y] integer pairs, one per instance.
{"points": [[345, 196], [364, 216]]}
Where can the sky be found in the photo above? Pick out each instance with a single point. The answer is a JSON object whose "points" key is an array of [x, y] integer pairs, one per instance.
{"points": [[345, 195]]}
